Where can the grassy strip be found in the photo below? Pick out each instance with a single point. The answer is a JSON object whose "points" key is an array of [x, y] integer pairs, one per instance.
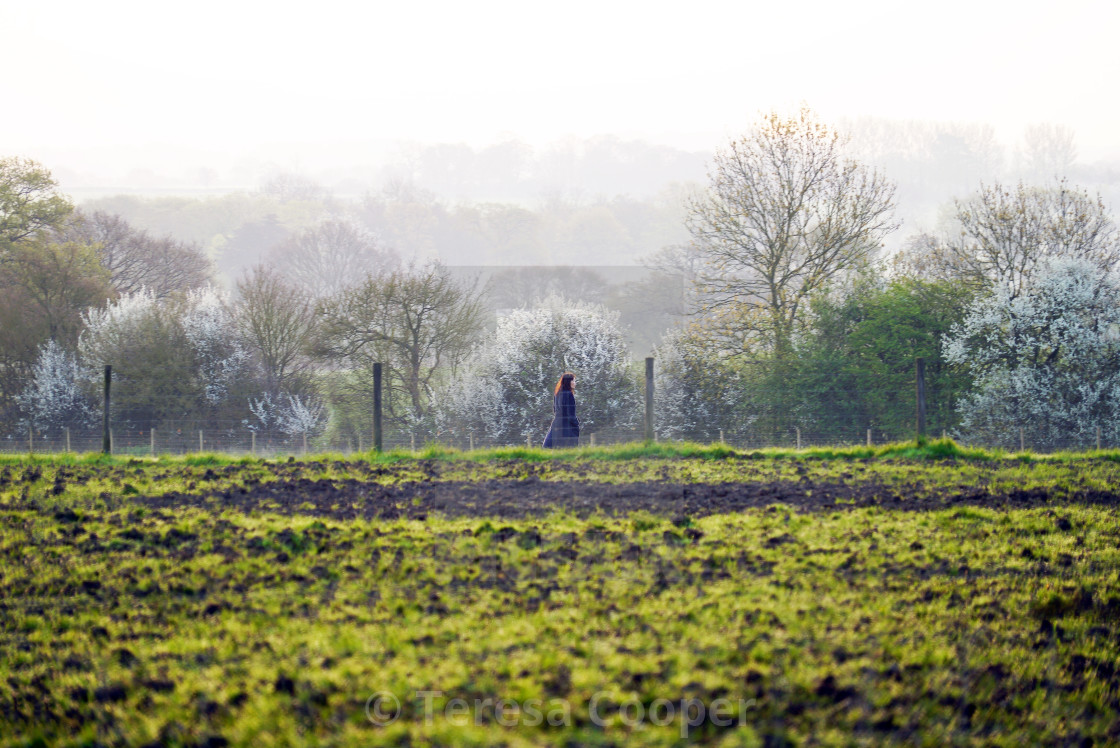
{"points": [[95, 481], [937, 449]]}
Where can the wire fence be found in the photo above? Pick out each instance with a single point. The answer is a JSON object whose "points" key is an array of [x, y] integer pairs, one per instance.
{"points": [[235, 438], [343, 421]]}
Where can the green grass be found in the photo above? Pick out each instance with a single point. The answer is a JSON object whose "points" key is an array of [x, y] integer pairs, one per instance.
{"points": [[936, 449], [966, 627], [125, 625], [935, 469]]}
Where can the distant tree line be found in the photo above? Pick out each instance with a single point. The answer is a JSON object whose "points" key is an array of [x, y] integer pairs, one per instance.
{"points": [[241, 230], [778, 313]]}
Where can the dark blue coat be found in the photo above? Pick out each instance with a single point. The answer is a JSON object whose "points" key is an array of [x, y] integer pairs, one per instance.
{"points": [[564, 431]]}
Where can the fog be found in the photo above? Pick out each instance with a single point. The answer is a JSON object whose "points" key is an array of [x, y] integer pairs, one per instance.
{"points": [[501, 134]]}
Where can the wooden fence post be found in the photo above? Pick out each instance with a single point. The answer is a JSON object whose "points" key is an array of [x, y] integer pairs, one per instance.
{"points": [[200, 440], [253, 443], [869, 437], [649, 398], [798, 430], [920, 378], [67, 438], [377, 436], [106, 437], [1022, 441], [152, 438], [1098, 438]]}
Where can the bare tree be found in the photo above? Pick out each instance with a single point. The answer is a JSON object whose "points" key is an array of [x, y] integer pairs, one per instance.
{"points": [[325, 260], [136, 260], [418, 321], [785, 213], [1006, 233], [925, 256], [277, 322], [1049, 150], [678, 268], [289, 187]]}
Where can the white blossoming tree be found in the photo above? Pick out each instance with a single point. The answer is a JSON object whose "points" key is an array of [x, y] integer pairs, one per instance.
{"points": [[177, 357], [1045, 359], [506, 392], [58, 394], [290, 415], [696, 394], [210, 329]]}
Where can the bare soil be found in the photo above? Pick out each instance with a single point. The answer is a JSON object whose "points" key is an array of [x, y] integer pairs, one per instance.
{"points": [[533, 498]]}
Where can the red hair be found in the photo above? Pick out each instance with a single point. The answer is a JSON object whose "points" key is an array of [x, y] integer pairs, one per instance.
{"points": [[565, 382]]}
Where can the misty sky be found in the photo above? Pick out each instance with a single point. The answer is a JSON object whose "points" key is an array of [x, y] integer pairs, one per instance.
{"points": [[116, 84]]}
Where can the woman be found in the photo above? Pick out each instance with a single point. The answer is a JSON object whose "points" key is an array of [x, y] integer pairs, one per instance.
{"points": [[564, 431]]}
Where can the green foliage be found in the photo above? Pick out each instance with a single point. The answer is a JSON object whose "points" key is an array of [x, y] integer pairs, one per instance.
{"points": [[45, 281], [850, 368], [855, 369], [52, 283], [29, 201]]}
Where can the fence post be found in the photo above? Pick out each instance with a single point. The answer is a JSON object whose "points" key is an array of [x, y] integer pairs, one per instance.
{"points": [[152, 437], [798, 430], [649, 398], [106, 437], [721, 441], [253, 442], [67, 438], [200, 440], [305, 443], [470, 441], [1022, 441], [377, 407], [920, 377], [869, 437], [528, 441], [592, 440], [412, 441], [30, 440], [1098, 438]]}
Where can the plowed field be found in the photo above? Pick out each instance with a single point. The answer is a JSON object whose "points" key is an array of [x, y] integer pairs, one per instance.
{"points": [[740, 601]]}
